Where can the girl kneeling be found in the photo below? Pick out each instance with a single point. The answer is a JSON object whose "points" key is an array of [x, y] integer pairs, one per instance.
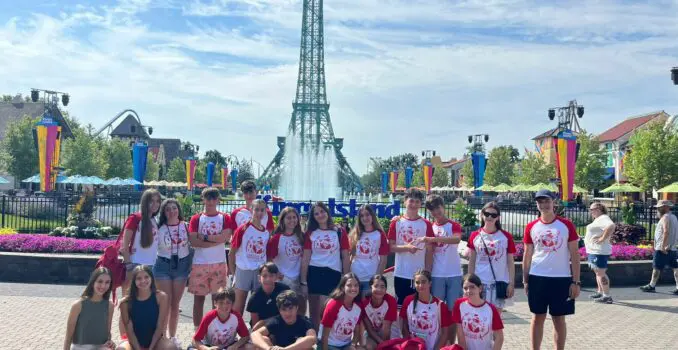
{"points": [[425, 316], [479, 321]]}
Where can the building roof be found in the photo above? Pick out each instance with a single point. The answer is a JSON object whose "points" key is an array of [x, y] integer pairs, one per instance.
{"points": [[629, 125], [129, 128], [172, 148], [18, 108], [455, 163], [551, 133]]}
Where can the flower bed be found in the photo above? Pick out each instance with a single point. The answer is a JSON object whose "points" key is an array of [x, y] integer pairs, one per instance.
{"points": [[36, 243], [620, 252]]}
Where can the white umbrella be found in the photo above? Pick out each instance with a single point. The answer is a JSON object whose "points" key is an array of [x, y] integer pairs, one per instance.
{"points": [[3, 180]]}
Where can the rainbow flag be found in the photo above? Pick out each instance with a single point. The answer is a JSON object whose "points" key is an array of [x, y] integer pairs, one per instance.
{"points": [[427, 171], [48, 135], [566, 155], [190, 173], [393, 180], [224, 177]]}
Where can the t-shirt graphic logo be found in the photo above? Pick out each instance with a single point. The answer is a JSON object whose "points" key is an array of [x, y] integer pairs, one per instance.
{"points": [[211, 228], [255, 247], [377, 319], [426, 322], [408, 234], [222, 337], [493, 248], [325, 242], [345, 328], [292, 249], [550, 240], [477, 329], [440, 247], [365, 249]]}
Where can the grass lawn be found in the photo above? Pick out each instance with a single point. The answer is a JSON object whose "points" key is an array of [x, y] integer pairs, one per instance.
{"points": [[30, 225]]}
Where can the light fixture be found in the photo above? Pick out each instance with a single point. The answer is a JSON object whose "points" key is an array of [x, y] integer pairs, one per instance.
{"points": [[580, 111], [470, 139], [35, 95], [65, 99], [674, 75], [552, 113], [487, 137], [150, 130]]}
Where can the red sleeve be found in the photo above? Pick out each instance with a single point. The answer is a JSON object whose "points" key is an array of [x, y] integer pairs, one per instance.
{"points": [[511, 243], [307, 241], [236, 240], [204, 324], [572, 230], [456, 311], [194, 223], [446, 317], [472, 238], [132, 222], [497, 324], [343, 243], [392, 312], [456, 227], [392, 229], [383, 245], [229, 222], [527, 237], [406, 304], [331, 313], [242, 327], [234, 213], [429, 229], [272, 246], [363, 314], [269, 224]]}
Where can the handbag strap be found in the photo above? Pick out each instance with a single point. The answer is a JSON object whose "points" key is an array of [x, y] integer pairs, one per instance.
{"points": [[489, 258]]}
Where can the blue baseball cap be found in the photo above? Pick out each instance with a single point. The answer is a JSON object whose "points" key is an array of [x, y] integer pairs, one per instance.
{"points": [[544, 194]]}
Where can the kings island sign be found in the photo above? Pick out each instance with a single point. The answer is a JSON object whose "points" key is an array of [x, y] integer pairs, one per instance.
{"points": [[337, 209]]}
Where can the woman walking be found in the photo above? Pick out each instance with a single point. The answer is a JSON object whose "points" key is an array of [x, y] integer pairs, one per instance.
{"points": [[598, 250]]}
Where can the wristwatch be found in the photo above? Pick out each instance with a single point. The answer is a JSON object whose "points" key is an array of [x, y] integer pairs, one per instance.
{"points": [[577, 283], [204, 238]]}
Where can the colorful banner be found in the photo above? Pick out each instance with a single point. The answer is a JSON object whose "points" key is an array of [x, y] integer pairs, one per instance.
{"points": [[139, 155], [478, 160], [565, 145], [393, 180], [210, 174], [409, 174], [48, 137], [234, 179], [427, 171], [224, 177], [190, 173], [384, 182]]}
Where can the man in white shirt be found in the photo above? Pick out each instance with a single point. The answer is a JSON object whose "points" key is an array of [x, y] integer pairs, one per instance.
{"points": [[665, 245]]}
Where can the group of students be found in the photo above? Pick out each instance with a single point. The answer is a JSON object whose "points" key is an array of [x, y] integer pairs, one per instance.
{"points": [[339, 275]]}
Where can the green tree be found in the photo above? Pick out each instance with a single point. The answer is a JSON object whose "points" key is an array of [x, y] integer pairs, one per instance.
{"points": [[245, 171], [467, 173], [152, 169], [532, 170], [653, 161], [18, 153], [84, 154], [215, 157], [590, 166], [118, 158], [441, 178], [177, 170], [500, 164]]}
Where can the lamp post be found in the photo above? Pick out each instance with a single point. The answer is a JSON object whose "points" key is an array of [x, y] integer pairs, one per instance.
{"points": [[565, 145], [674, 75]]}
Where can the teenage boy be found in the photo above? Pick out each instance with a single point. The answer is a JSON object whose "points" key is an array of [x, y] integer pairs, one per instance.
{"points": [[288, 330], [208, 232], [262, 305], [219, 327], [244, 214], [410, 254], [550, 270], [665, 245]]}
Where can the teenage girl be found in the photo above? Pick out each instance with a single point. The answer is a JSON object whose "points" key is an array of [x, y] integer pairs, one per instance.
{"points": [[381, 310], [369, 247], [285, 249], [425, 316], [341, 319], [89, 322], [480, 326]]}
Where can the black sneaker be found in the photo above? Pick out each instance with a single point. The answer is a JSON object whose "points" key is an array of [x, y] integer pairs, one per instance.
{"points": [[648, 288], [604, 300], [675, 291], [595, 295]]}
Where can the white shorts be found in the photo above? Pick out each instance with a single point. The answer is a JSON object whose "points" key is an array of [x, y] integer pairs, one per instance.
{"points": [[491, 296]]}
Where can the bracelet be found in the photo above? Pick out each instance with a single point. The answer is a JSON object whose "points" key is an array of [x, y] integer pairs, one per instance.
{"points": [[304, 283]]}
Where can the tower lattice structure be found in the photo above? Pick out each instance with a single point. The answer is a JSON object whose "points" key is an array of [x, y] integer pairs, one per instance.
{"points": [[311, 122]]}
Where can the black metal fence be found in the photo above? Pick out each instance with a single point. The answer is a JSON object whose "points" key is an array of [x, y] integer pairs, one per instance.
{"points": [[42, 214]]}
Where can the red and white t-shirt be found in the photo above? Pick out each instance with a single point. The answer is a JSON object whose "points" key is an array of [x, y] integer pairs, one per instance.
{"points": [[139, 254], [249, 245], [370, 248], [286, 252], [342, 321], [217, 332], [242, 215], [404, 231], [387, 311], [427, 320], [326, 248], [551, 256], [204, 224], [477, 322], [173, 240], [446, 262], [499, 244]]}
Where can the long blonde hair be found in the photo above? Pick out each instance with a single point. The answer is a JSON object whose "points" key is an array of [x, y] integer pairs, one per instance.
{"points": [[298, 232], [359, 228]]}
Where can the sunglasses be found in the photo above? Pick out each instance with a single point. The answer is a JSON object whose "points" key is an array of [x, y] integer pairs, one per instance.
{"points": [[490, 215]]}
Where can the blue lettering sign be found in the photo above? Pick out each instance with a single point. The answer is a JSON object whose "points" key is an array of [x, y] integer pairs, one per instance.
{"points": [[337, 209]]}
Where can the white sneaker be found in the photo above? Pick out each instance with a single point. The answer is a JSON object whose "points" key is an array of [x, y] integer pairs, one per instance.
{"points": [[176, 342]]}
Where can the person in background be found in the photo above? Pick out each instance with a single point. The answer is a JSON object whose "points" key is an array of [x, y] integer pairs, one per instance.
{"points": [[665, 245], [262, 305], [219, 327], [480, 326], [144, 312], [598, 250], [285, 249], [208, 232], [340, 328], [289, 330], [89, 322], [425, 316], [243, 214], [369, 247], [381, 310]]}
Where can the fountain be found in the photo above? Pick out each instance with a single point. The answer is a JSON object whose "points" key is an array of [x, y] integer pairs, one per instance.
{"points": [[310, 174]]}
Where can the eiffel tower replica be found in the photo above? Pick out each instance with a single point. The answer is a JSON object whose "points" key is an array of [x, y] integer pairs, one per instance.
{"points": [[310, 126]]}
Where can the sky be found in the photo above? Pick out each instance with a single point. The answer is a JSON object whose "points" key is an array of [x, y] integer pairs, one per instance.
{"points": [[402, 75]]}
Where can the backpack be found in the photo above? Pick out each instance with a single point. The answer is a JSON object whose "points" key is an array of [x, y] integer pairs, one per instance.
{"points": [[403, 344], [109, 259]]}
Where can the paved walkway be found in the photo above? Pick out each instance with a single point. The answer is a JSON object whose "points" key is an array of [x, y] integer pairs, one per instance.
{"points": [[34, 317]]}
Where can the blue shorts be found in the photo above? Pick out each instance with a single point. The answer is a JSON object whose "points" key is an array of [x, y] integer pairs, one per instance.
{"points": [[661, 260], [165, 270], [447, 289], [598, 261]]}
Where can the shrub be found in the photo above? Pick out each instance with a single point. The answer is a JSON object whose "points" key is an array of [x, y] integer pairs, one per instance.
{"points": [[628, 213], [464, 214], [629, 234]]}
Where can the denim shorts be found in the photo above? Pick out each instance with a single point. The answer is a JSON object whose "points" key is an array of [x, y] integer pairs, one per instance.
{"points": [[447, 289], [162, 270], [598, 261]]}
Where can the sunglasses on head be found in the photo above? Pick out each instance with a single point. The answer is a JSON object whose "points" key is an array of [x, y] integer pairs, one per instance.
{"points": [[490, 215]]}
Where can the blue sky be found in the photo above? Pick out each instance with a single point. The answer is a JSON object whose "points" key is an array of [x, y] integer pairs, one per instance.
{"points": [[402, 75]]}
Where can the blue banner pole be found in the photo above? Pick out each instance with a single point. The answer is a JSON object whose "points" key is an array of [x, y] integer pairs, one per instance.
{"points": [[139, 155]]}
